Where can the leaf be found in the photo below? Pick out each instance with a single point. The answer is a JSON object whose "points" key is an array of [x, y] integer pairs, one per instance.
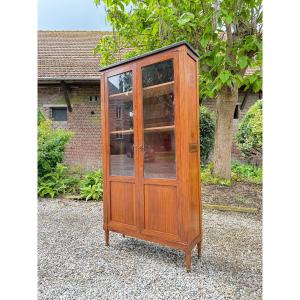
{"points": [[224, 76], [243, 61], [228, 19], [252, 78], [155, 29], [204, 41], [185, 18]]}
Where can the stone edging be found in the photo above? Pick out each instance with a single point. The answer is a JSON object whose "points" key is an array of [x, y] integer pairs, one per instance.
{"points": [[230, 208]]}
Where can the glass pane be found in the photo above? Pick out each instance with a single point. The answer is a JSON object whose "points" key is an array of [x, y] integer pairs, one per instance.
{"points": [[158, 73], [121, 124], [158, 120]]}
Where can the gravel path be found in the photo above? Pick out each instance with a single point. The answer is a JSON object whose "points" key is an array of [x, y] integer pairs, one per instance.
{"points": [[238, 194], [74, 263]]}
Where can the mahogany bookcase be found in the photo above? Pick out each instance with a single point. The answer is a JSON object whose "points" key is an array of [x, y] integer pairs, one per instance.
{"points": [[151, 148]]}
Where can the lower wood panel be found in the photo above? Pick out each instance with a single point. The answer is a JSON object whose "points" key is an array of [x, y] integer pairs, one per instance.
{"points": [[122, 203], [161, 210]]}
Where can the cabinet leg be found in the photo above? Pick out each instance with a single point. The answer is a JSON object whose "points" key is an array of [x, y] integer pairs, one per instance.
{"points": [[107, 237], [188, 261], [199, 247], [123, 235]]}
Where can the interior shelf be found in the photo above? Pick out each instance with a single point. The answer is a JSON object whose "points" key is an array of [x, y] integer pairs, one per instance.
{"points": [[150, 129], [128, 131], [158, 90], [148, 92], [126, 96], [159, 128]]}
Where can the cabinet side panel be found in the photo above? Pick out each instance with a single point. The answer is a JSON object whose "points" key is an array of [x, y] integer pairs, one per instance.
{"points": [[194, 146]]}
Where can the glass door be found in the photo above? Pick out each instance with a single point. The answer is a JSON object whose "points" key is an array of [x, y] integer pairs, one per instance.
{"points": [[121, 153], [120, 106], [158, 185], [158, 120]]}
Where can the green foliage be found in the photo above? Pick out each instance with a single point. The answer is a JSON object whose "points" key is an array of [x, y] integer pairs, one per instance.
{"points": [[41, 117], [51, 146], [91, 186], [227, 34], [207, 133], [240, 172], [250, 133], [246, 172], [58, 182], [208, 178]]}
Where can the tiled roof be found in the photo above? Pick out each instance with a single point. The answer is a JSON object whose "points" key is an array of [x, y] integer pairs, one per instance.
{"points": [[68, 54]]}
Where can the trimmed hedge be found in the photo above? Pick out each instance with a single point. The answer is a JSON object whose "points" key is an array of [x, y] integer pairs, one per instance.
{"points": [[207, 133], [250, 133]]}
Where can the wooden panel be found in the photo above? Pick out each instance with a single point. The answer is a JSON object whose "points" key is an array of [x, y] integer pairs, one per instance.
{"points": [[193, 139], [161, 210], [194, 185], [193, 105], [123, 202]]}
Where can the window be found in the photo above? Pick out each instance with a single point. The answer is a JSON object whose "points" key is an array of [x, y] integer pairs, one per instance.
{"points": [[59, 114], [94, 98], [236, 112], [118, 112]]}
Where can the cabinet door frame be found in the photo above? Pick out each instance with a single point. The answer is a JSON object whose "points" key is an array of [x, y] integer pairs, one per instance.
{"points": [[108, 178], [174, 55]]}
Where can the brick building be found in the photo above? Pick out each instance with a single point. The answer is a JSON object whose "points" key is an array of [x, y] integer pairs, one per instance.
{"points": [[69, 93]]}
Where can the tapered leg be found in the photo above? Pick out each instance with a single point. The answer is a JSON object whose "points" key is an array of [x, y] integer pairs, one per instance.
{"points": [[123, 235], [188, 261], [199, 247], [107, 237]]}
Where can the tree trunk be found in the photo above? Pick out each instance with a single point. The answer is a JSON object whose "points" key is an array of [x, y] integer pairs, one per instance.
{"points": [[226, 102]]}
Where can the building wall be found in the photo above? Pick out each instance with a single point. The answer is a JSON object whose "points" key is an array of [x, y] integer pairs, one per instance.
{"points": [[251, 99], [84, 149]]}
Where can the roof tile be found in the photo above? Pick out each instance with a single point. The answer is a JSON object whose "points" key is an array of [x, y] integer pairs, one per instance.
{"points": [[68, 54]]}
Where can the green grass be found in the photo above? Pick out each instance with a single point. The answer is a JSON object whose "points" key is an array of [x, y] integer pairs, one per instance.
{"points": [[239, 172]]}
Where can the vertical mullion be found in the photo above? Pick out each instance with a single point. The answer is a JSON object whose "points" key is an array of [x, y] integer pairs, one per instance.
{"points": [[139, 141]]}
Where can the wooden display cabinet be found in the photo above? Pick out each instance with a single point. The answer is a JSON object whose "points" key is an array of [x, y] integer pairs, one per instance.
{"points": [[151, 149]]}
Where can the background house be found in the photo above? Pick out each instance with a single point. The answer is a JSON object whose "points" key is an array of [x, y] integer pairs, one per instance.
{"points": [[69, 93]]}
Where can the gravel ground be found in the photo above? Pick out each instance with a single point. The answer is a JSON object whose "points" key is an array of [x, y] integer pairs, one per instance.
{"points": [[238, 194], [74, 263]]}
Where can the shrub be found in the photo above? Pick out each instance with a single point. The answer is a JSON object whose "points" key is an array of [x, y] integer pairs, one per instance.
{"points": [[208, 178], [41, 117], [91, 186], [56, 183], [249, 135], [239, 172], [207, 133], [51, 146], [246, 172]]}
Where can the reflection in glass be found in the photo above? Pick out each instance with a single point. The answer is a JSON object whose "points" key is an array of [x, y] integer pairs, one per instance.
{"points": [[120, 83], [158, 73], [158, 120], [121, 125]]}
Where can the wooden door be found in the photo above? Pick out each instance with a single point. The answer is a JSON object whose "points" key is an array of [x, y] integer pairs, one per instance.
{"points": [[121, 162], [159, 151]]}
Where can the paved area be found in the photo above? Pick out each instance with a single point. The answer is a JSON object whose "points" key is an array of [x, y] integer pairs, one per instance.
{"points": [[74, 263]]}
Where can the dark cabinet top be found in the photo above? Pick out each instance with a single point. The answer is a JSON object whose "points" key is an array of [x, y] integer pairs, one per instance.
{"points": [[150, 53]]}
